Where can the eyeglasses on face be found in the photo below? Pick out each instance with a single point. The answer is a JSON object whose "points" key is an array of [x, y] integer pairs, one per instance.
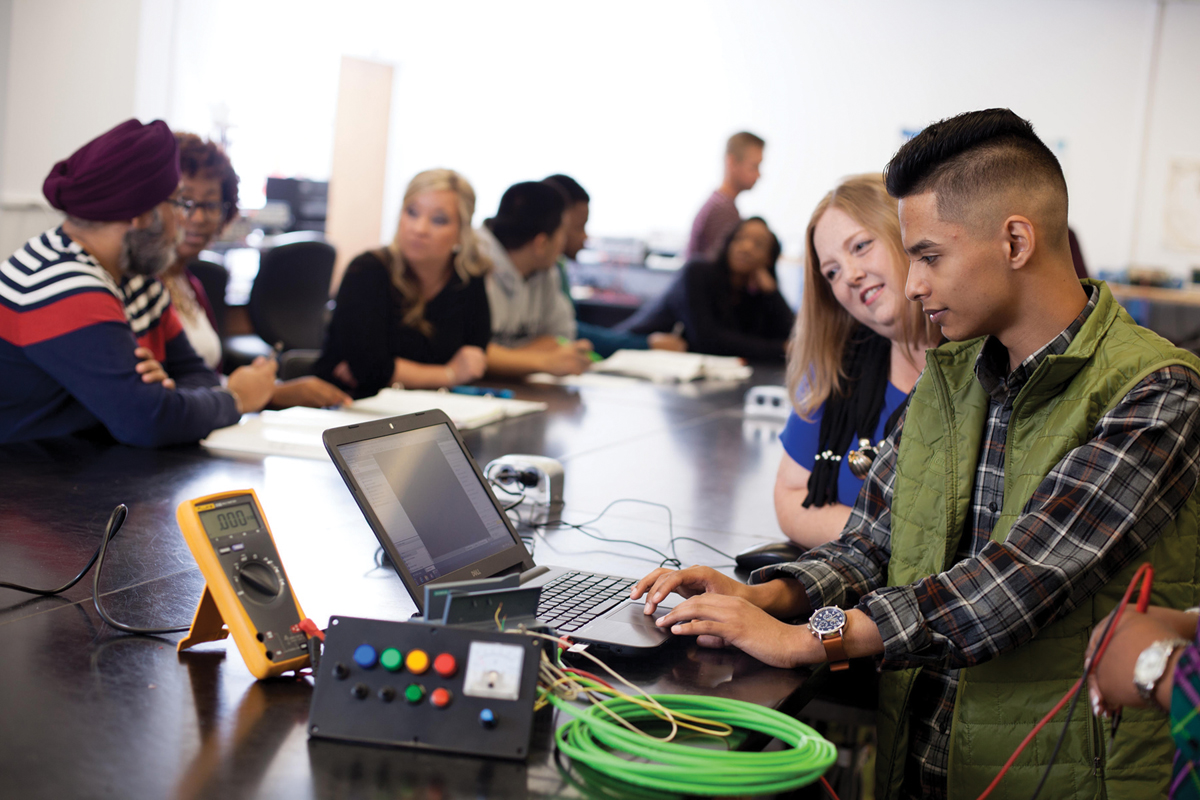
{"points": [[210, 209]]}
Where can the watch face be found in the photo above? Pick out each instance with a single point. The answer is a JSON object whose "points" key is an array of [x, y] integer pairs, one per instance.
{"points": [[827, 620], [1151, 664]]}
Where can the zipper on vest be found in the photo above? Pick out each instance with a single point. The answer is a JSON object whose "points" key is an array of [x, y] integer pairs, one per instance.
{"points": [[946, 409], [1094, 731]]}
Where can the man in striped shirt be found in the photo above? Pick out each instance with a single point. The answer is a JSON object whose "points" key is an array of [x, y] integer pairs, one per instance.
{"points": [[87, 335]]}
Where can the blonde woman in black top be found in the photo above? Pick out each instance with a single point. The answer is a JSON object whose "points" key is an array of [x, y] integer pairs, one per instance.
{"points": [[414, 313]]}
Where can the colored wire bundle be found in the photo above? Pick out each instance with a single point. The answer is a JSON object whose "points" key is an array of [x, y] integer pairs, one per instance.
{"points": [[607, 737], [593, 739]]}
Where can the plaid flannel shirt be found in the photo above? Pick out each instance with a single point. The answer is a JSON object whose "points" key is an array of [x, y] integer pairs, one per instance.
{"points": [[1100, 507]]}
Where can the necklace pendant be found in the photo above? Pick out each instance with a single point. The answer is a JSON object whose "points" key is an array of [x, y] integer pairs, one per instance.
{"points": [[860, 460]]}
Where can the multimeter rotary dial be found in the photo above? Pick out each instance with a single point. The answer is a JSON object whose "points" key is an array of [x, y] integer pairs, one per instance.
{"points": [[259, 580]]}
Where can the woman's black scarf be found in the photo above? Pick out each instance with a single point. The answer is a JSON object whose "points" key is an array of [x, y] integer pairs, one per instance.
{"points": [[851, 414]]}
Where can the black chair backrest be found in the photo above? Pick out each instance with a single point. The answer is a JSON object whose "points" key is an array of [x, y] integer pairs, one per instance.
{"points": [[214, 278], [297, 363], [290, 297]]}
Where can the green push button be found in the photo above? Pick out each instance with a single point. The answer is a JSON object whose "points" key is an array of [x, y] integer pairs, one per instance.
{"points": [[391, 659], [415, 693]]}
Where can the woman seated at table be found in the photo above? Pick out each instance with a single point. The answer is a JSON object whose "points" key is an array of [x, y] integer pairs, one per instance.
{"points": [[414, 313], [728, 307], [207, 202], [856, 352]]}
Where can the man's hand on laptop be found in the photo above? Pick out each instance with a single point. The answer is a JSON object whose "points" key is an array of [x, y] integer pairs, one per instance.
{"points": [[719, 620], [686, 583]]}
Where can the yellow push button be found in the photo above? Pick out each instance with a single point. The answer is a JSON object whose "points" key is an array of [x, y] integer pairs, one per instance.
{"points": [[417, 662]]}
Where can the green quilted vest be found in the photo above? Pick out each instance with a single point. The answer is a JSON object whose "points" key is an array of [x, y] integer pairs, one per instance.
{"points": [[999, 702]]}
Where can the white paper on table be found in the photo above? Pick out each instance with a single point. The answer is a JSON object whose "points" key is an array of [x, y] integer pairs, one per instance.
{"points": [[668, 366], [297, 431]]}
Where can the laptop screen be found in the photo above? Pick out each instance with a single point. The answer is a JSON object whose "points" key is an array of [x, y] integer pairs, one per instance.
{"points": [[428, 499]]}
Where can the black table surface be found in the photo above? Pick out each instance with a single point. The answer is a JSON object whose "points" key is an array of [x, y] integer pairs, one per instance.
{"points": [[86, 711]]}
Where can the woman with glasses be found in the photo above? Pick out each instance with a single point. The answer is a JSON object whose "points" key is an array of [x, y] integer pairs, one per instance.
{"points": [[206, 202]]}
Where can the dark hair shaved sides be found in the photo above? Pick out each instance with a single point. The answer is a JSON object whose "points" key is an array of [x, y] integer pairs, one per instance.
{"points": [[978, 164]]}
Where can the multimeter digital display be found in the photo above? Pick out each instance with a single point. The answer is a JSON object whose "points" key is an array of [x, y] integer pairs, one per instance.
{"points": [[238, 518], [246, 588]]}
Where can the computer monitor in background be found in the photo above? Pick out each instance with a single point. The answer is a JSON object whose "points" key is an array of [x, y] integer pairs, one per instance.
{"points": [[306, 200]]}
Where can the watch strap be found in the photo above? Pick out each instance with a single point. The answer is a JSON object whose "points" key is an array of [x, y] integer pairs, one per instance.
{"points": [[835, 652]]}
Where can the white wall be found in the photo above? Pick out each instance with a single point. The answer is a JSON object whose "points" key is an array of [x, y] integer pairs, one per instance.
{"points": [[1173, 135], [72, 69], [634, 99], [55, 104]]}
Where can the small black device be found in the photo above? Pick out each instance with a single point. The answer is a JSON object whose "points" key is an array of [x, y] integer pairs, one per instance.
{"points": [[764, 555], [426, 686]]}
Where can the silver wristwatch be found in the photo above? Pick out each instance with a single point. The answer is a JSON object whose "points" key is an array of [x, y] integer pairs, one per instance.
{"points": [[1151, 665]]}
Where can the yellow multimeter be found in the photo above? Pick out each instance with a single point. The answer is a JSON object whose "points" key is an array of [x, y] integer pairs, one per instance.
{"points": [[246, 591]]}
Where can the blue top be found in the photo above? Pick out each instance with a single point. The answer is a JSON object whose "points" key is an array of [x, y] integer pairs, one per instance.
{"points": [[800, 441]]}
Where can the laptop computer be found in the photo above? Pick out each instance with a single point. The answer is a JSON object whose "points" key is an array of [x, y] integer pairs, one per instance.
{"points": [[438, 520]]}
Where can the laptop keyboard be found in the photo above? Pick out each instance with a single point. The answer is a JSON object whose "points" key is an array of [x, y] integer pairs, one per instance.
{"points": [[574, 599]]}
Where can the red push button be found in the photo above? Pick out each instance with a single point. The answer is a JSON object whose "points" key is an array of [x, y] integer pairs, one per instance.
{"points": [[440, 697], [445, 665]]}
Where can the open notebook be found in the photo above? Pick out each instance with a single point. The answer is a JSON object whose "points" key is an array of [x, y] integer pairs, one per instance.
{"points": [[297, 431]]}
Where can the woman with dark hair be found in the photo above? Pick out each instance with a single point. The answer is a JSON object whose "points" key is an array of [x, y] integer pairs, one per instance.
{"points": [[207, 201], [728, 307]]}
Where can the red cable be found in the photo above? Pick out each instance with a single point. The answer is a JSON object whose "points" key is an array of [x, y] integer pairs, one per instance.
{"points": [[308, 627], [829, 788], [1146, 573], [591, 676]]}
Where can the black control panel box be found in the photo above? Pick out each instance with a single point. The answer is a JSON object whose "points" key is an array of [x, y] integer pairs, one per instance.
{"points": [[427, 686]]}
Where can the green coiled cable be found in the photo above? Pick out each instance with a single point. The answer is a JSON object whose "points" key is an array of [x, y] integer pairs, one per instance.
{"points": [[592, 738]]}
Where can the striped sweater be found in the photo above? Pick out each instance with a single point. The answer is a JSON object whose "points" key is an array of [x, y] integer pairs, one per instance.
{"points": [[67, 336]]}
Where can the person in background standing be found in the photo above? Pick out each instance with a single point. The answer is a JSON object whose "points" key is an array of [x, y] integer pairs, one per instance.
{"points": [[719, 215]]}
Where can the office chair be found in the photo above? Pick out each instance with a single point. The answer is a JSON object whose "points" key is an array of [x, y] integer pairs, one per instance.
{"points": [[289, 300], [297, 363]]}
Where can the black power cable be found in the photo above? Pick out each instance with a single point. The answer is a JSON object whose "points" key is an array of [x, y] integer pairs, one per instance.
{"points": [[69, 584], [1083, 688], [115, 521], [114, 524]]}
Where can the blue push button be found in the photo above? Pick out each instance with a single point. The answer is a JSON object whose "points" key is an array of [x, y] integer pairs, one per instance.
{"points": [[237, 547], [365, 656], [487, 719]]}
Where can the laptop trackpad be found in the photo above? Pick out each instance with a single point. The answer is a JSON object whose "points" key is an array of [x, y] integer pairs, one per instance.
{"points": [[628, 627]]}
